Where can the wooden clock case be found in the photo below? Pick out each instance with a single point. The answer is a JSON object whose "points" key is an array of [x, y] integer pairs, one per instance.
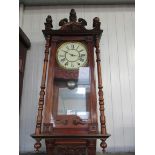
{"points": [[69, 134]]}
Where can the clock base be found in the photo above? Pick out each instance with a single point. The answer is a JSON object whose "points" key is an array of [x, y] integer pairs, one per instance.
{"points": [[56, 143], [70, 147]]}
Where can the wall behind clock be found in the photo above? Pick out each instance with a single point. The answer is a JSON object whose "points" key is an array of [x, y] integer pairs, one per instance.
{"points": [[117, 53]]}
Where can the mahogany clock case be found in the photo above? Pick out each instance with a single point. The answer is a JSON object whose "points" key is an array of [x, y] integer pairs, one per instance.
{"points": [[70, 124], [65, 131]]}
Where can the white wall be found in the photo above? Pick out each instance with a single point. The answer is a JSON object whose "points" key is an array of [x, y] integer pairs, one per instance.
{"points": [[117, 52]]}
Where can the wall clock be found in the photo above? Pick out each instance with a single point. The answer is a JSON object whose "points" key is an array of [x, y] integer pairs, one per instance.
{"points": [[67, 110]]}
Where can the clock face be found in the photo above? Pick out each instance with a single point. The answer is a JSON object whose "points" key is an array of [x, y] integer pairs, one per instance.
{"points": [[72, 55]]}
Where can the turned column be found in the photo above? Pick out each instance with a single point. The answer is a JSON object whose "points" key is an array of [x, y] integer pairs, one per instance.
{"points": [[42, 89], [100, 93], [48, 26]]}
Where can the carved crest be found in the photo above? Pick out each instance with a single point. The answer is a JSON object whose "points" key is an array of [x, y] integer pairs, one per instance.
{"points": [[72, 24]]}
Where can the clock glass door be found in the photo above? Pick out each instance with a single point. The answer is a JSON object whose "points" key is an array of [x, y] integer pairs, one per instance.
{"points": [[71, 97]]}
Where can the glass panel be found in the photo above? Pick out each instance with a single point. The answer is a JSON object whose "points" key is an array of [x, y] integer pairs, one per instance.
{"points": [[73, 99]]}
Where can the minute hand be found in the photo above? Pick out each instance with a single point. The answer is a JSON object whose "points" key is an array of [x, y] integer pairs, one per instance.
{"points": [[71, 54]]}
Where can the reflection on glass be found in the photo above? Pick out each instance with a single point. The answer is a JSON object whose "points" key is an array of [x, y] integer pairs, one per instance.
{"points": [[73, 99]]}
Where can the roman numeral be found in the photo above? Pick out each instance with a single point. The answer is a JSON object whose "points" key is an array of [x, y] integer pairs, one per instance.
{"points": [[80, 51], [82, 55], [72, 46], [81, 59], [62, 60], [66, 64], [77, 47], [72, 64], [67, 47]]}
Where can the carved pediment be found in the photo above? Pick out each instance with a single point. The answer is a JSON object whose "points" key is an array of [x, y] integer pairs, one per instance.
{"points": [[72, 24]]}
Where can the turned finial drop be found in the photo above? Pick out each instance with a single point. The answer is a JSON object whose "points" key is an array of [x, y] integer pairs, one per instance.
{"points": [[37, 145]]}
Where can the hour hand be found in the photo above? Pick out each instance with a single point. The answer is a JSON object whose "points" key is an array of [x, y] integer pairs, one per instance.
{"points": [[65, 51]]}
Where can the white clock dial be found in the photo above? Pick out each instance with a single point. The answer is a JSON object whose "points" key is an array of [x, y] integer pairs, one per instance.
{"points": [[72, 55]]}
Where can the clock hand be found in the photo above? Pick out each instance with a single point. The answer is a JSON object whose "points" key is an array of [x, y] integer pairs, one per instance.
{"points": [[65, 51], [69, 53], [73, 55]]}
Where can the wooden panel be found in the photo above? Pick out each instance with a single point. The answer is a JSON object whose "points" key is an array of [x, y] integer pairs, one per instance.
{"points": [[117, 56]]}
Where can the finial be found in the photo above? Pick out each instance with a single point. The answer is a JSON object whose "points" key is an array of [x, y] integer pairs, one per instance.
{"points": [[63, 21], [72, 16], [96, 23], [37, 145], [82, 21], [48, 24]]}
